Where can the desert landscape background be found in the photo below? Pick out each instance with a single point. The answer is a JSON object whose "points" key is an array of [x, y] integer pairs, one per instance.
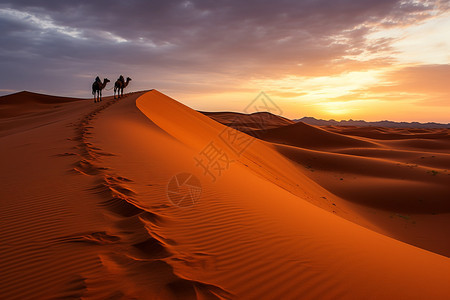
{"points": [[302, 212], [197, 149]]}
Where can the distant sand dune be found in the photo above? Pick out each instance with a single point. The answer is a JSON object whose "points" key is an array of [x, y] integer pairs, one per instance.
{"points": [[399, 178], [261, 120], [304, 135]]}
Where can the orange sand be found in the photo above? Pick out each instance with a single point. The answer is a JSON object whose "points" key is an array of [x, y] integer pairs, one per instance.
{"points": [[85, 211]]}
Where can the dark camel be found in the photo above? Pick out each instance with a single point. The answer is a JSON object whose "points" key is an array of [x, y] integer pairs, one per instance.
{"points": [[120, 85], [97, 88]]}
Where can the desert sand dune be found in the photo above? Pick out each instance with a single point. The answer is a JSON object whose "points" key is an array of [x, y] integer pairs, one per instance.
{"points": [[86, 211], [383, 133], [401, 183], [24, 110], [249, 122], [24, 102], [304, 135], [29, 97]]}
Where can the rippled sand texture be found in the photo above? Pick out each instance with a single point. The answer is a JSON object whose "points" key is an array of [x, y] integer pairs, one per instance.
{"points": [[94, 205]]}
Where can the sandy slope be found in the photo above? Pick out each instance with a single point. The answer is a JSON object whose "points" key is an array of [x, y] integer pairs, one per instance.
{"points": [[399, 179], [85, 213], [396, 179], [248, 122]]}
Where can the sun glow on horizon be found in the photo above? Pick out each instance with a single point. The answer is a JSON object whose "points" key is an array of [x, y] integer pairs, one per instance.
{"points": [[400, 90], [335, 108]]}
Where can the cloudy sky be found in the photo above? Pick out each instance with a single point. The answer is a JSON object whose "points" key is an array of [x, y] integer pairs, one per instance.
{"points": [[338, 59]]}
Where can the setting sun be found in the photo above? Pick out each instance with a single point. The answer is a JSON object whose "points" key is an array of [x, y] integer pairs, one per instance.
{"points": [[336, 108]]}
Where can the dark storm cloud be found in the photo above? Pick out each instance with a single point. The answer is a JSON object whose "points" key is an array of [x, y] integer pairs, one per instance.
{"points": [[56, 46]]}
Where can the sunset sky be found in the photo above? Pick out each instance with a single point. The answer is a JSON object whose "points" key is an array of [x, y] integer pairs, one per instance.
{"points": [[339, 59]]}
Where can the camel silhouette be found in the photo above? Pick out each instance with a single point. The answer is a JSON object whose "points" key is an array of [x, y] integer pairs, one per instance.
{"points": [[119, 85], [97, 88]]}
